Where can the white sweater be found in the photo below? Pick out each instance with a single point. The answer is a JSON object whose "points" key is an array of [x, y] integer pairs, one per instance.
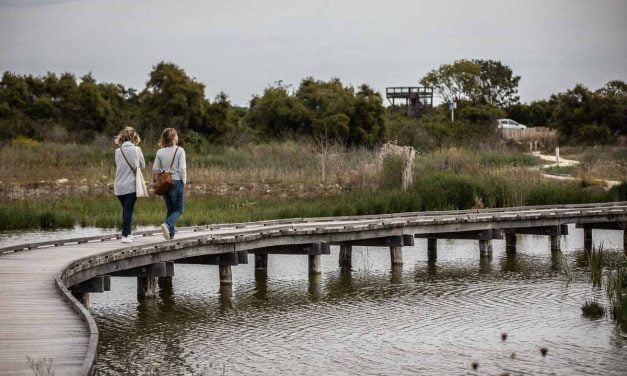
{"points": [[163, 159], [125, 177]]}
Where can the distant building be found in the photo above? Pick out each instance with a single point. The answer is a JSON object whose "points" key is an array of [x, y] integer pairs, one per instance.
{"points": [[417, 99]]}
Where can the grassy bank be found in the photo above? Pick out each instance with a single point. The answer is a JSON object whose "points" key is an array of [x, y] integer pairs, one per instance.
{"points": [[275, 180], [211, 167], [441, 191]]}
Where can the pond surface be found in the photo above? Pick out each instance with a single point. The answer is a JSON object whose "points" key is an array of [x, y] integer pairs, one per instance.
{"points": [[423, 318]]}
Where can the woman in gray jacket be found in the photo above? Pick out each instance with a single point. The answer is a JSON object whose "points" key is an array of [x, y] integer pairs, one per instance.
{"points": [[128, 157], [171, 158]]}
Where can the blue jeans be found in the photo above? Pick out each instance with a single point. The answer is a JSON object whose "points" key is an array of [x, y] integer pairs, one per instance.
{"points": [[128, 203], [174, 199]]}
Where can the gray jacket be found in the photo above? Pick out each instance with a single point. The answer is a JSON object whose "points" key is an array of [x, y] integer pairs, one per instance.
{"points": [[163, 159], [124, 176]]}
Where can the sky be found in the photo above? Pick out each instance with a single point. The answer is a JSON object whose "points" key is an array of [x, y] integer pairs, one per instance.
{"points": [[243, 46]]}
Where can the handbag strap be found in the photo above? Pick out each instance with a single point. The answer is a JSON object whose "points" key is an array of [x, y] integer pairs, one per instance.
{"points": [[173, 157], [127, 162]]}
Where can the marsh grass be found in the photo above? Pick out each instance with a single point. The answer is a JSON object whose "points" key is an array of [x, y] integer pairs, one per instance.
{"points": [[328, 179], [615, 290], [592, 309], [595, 263], [567, 269], [105, 211]]}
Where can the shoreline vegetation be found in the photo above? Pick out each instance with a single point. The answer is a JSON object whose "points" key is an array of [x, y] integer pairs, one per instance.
{"points": [[278, 180], [310, 149]]}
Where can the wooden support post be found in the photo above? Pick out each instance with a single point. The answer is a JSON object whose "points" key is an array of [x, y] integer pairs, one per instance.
{"points": [[82, 297], [226, 275], [432, 249], [397, 274], [315, 266], [625, 250], [485, 248], [587, 238], [226, 295], [261, 261], [146, 287], [314, 288], [165, 283], [346, 253], [555, 243], [510, 242], [396, 255]]}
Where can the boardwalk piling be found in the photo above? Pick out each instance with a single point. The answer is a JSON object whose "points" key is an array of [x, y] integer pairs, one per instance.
{"points": [[82, 297], [226, 275], [397, 274], [314, 288], [510, 242], [555, 243], [146, 287], [432, 249], [396, 255], [315, 266], [166, 282], [346, 253], [261, 261], [587, 238], [485, 248]]}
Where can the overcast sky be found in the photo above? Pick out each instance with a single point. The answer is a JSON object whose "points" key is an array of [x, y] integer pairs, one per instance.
{"points": [[242, 46]]}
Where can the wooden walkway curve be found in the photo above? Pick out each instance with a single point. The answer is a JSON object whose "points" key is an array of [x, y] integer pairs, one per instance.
{"points": [[40, 318]]}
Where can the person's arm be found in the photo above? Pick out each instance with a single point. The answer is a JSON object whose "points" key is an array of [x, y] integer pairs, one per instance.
{"points": [[142, 162], [183, 166], [156, 165]]}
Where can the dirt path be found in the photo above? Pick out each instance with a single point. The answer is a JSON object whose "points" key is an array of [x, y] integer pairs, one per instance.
{"points": [[566, 163]]}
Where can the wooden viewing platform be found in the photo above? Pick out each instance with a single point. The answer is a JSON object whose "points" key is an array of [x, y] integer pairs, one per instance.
{"points": [[43, 284]]}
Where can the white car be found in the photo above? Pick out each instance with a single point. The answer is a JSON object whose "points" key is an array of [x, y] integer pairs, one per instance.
{"points": [[509, 124]]}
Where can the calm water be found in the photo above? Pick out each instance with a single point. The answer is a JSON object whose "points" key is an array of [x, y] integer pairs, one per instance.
{"points": [[422, 319]]}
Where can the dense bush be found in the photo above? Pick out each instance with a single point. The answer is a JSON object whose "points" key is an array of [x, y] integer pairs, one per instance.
{"points": [[326, 110], [619, 192], [445, 191]]}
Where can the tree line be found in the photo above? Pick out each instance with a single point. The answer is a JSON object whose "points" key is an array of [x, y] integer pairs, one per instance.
{"points": [[57, 106]]}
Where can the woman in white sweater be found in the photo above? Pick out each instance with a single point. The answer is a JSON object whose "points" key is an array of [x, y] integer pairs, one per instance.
{"points": [[171, 157], [128, 157]]}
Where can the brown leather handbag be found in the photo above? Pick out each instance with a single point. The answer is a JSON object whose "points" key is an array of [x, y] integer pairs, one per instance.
{"points": [[163, 180]]}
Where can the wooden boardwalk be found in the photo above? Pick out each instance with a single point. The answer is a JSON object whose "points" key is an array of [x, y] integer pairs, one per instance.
{"points": [[40, 318]]}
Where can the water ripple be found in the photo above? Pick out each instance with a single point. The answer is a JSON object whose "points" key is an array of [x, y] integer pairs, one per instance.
{"points": [[423, 319]]}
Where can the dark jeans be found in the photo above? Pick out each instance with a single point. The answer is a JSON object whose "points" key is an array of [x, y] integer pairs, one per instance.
{"points": [[174, 199], [128, 203]]}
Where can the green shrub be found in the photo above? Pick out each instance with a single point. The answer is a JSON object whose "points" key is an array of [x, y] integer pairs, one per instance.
{"points": [[392, 171], [546, 193], [619, 192], [445, 191], [591, 134]]}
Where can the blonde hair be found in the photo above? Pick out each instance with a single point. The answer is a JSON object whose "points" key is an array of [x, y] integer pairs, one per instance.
{"points": [[168, 137], [127, 134]]}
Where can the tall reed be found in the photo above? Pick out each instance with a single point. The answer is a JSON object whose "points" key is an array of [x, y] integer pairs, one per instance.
{"points": [[595, 262], [616, 291]]}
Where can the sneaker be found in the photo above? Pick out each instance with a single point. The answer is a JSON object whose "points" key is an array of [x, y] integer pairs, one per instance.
{"points": [[166, 231], [127, 239]]}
